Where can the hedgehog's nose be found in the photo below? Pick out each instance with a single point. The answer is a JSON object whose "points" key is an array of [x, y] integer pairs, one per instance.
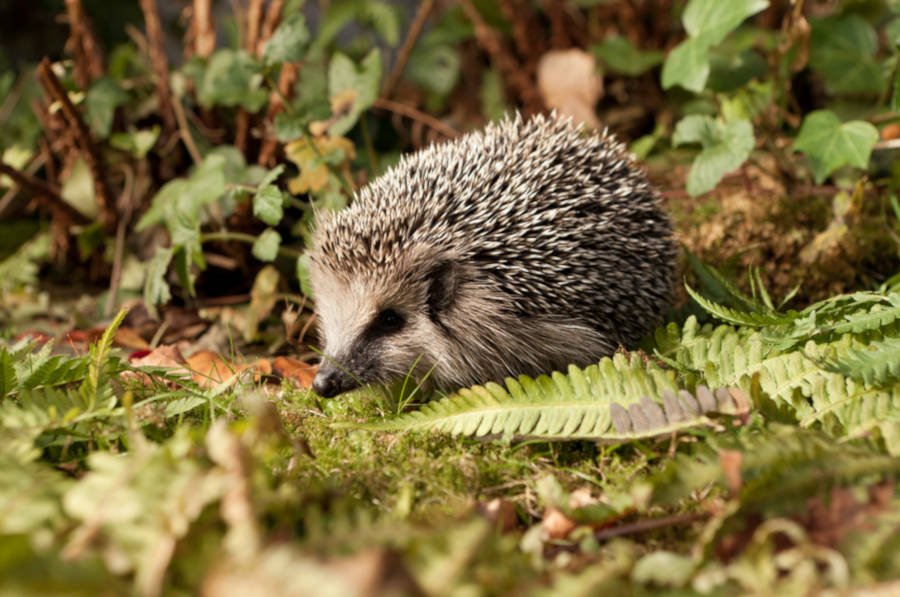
{"points": [[329, 382]]}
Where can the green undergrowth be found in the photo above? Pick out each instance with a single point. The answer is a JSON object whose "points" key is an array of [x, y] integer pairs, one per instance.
{"points": [[718, 446]]}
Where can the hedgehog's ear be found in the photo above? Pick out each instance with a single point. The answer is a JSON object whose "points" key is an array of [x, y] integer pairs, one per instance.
{"points": [[443, 282]]}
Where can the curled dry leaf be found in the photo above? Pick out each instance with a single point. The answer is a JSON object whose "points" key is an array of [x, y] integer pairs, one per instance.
{"points": [[731, 466], [210, 369], [568, 82], [300, 372], [164, 356], [891, 131], [555, 524]]}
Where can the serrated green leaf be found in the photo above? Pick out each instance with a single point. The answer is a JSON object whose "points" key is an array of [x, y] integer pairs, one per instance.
{"points": [[137, 142], [725, 147], [268, 205], [365, 80], [687, 65], [267, 244], [232, 78], [156, 289], [289, 41], [830, 144]]}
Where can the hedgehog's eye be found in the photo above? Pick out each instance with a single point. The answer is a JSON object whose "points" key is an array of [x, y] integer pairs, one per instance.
{"points": [[388, 321]]}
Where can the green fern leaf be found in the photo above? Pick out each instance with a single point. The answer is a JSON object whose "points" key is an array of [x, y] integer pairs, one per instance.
{"points": [[8, 379], [607, 402], [877, 364], [733, 316]]}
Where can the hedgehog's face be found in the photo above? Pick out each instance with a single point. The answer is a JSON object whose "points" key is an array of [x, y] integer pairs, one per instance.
{"points": [[380, 325]]}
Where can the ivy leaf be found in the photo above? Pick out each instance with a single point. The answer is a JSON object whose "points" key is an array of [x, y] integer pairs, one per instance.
{"points": [[232, 78], [268, 204], [137, 143], [843, 50], [100, 104], [344, 76], [830, 144], [266, 246], [288, 43], [725, 147], [621, 56], [707, 22]]}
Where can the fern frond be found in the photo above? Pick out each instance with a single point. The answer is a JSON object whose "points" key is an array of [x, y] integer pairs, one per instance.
{"points": [[733, 316], [607, 402], [877, 364]]}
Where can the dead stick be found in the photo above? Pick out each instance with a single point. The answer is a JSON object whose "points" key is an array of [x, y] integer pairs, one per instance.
{"points": [[254, 18], [410, 112], [643, 526], [159, 61], [409, 43], [271, 22], [204, 31], [89, 151], [43, 189]]}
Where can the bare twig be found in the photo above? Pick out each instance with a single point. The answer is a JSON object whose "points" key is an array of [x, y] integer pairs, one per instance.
{"points": [[276, 105], [55, 90], [88, 56], [410, 112], [415, 28], [159, 61], [528, 40], [126, 202], [643, 526], [554, 9], [185, 131], [254, 18], [50, 194], [271, 22], [204, 28], [512, 71]]}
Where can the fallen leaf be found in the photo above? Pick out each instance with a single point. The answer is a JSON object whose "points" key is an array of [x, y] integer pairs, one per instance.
{"points": [[731, 461], [128, 338], [163, 356], [556, 525], [288, 368]]}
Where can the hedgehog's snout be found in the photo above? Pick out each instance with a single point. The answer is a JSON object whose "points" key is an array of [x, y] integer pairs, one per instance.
{"points": [[331, 381]]}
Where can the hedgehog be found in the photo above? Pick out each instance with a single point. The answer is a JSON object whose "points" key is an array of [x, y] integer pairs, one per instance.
{"points": [[521, 249]]}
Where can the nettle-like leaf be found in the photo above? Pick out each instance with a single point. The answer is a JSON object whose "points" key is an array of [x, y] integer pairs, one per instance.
{"points": [[232, 78], [707, 23], [726, 145], [608, 402], [830, 144], [289, 42], [361, 85], [266, 246]]}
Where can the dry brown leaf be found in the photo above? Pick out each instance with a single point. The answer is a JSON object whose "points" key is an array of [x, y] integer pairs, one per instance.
{"points": [[129, 338], [304, 153], [556, 525], [302, 373], [569, 83], [163, 356], [731, 461]]}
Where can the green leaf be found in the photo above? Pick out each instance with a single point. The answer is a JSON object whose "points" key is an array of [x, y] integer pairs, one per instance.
{"points": [[268, 205], [78, 188], [714, 19], [435, 68], [725, 147], [876, 364], [687, 65], [663, 568], [156, 289], [621, 56], [266, 246], [707, 22], [7, 374], [289, 127], [137, 142], [289, 42], [303, 274], [344, 75], [830, 144], [843, 50], [232, 78], [102, 99]]}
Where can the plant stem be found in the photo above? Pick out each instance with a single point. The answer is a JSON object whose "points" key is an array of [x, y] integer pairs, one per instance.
{"points": [[245, 238]]}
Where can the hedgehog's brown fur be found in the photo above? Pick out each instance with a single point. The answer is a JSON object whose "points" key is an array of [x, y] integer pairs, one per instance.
{"points": [[519, 249]]}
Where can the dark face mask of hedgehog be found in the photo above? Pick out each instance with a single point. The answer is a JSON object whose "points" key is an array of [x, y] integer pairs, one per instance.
{"points": [[383, 323]]}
